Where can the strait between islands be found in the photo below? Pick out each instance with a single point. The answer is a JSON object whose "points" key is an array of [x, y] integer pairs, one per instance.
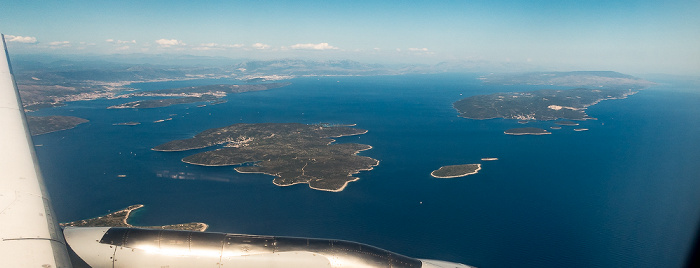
{"points": [[291, 152]]}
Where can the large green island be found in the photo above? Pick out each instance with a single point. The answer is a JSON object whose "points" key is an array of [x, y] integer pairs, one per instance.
{"points": [[293, 153], [549, 104], [545, 104]]}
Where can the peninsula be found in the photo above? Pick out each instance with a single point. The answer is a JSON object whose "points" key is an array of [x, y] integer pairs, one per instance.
{"points": [[46, 124], [208, 93], [527, 131], [292, 153], [121, 217], [456, 171]]}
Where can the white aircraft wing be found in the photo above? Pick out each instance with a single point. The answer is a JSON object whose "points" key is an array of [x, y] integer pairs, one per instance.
{"points": [[29, 233]]}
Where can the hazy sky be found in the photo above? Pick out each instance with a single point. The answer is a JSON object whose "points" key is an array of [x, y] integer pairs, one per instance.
{"points": [[627, 36]]}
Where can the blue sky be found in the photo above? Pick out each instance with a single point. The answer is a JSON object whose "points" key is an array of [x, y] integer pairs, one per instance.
{"points": [[628, 36]]}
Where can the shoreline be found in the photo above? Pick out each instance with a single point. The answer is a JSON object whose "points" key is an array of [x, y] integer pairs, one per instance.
{"points": [[120, 218], [457, 176]]}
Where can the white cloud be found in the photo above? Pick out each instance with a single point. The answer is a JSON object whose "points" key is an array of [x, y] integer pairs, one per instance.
{"points": [[319, 46], [20, 39], [215, 46], [121, 41], [418, 49], [169, 42], [59, 43], [260, 46]]}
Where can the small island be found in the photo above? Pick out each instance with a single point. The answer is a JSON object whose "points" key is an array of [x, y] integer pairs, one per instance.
{"points": [[121, 217], [456, 171], [566, 123], [39, 125], [293, 153], [580, 129], [127, 124], [527, 131]]}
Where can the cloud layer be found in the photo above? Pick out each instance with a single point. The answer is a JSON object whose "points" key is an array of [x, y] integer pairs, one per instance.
{"points": [[169, 42], [20, 39], [319, 46]]}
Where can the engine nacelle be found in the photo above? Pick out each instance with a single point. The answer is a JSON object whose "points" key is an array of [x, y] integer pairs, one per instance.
{"points": [[133, 247]]}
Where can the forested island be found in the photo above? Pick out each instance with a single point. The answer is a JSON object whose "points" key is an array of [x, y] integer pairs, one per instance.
{"points": [[545, 104], [293, 153], [549, 104], [46, 124]]}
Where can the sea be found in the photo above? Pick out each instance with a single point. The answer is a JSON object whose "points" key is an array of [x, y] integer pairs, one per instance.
{"points": [[625, 193]]}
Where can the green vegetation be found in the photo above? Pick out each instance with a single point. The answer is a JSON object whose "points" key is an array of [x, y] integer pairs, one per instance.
{"points": [[546, 104], [293, 153], [121, 217], [527, 131], [208, 93], [456, 171], [46, 124], [566, 123], [549, 104]]}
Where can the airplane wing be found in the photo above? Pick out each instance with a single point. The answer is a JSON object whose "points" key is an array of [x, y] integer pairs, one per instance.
{"points": [[29, 233]]}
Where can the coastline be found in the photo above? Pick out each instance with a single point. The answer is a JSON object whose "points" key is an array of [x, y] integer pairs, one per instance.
{"points": [[350, 174], [457, 176], [120, 219], [520, 134]]}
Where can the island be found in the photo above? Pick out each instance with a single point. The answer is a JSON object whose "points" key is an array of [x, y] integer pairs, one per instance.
{"points": [[580, 129], [456, 171], [292, 153], [545, 104], [46, 124], [209, 93], [121, 217], [589, 79], [127, 124], [527, 131], [566, 123]]}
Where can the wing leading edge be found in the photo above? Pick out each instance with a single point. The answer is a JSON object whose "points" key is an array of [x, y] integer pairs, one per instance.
{"points": [[29, 233]]}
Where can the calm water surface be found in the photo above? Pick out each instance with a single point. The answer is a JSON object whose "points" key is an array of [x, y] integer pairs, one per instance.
{"points": [[623, 194]]}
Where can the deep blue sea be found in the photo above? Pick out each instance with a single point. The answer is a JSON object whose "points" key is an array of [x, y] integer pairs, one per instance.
{"points": [[626, 193]]}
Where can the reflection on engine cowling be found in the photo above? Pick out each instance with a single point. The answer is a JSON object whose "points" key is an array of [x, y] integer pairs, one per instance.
{"points": [[133, 247]]}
